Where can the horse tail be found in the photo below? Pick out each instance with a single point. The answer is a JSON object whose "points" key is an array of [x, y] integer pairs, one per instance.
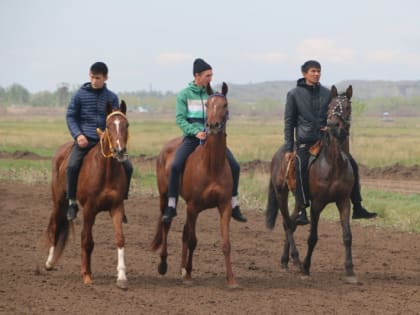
{"points": [[272, 206]]}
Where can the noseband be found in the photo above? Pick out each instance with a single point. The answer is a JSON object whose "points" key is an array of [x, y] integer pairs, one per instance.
{"points": [[218, 126]]}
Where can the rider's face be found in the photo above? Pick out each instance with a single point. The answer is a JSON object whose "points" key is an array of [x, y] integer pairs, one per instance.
{"points": [[203, 78], [312, 76]]}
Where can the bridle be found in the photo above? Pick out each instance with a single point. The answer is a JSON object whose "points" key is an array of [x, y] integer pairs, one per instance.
{"points": [[113, 153], [338, 111]]}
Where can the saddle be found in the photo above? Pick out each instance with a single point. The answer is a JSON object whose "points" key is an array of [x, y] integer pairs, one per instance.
{"points": [[290, 174]]}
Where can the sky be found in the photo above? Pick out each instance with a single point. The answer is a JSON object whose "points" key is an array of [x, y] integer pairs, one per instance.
{"points": [[151, 45]]}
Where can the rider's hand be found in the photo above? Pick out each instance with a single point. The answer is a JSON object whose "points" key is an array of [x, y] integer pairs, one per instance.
{"points": [[201, 135], [82, 141]]}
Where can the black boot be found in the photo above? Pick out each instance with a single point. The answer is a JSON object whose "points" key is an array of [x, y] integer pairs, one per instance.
{"points": [[237, 215], [302, 218], [170, 212], [361, 213], [72, 211]]}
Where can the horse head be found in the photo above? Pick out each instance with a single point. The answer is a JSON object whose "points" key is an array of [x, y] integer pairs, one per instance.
{"points": [[339, 113], [116, 133], [217, 110]]}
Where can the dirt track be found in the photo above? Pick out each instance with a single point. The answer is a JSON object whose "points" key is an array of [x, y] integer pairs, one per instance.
{"points": [[386, 263]]}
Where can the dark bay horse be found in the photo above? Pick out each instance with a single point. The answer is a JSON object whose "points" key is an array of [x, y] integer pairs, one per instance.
{"points": [[206, 183], [331, 179], [101, 187]]}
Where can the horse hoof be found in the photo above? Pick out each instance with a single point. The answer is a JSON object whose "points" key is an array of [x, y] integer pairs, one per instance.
{"points": [[305, 277], [48, 266], [162, 268], [183, 272], [352, 280], [87, 280], [122, 284]]}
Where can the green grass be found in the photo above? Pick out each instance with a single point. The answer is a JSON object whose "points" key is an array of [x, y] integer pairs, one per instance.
{"points": [[373, 143]]}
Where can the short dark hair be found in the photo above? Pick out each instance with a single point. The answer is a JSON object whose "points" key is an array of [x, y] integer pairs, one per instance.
{"points": [[99, 68], [310, 64]]}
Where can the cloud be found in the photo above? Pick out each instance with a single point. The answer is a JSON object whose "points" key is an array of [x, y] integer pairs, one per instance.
{"points": [[324, 49], [267, 57], [171, 58], [389, 57]]}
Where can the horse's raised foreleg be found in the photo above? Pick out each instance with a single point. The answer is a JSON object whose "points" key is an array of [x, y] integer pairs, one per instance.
{"points": [[117, 215], [344, 208], [225, 215], [189, 243], [87, 244]]}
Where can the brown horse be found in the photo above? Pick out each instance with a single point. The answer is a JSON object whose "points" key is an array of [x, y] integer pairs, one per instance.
{"points": [[101, 187], [331, 179], [206, 183]]}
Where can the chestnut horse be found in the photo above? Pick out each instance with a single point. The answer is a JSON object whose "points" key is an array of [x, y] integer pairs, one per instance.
{"points": [[101, 187], [206, 183], [331, 179]]}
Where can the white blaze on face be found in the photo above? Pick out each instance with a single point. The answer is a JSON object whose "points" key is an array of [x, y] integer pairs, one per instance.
{"points": [[117, 128]]}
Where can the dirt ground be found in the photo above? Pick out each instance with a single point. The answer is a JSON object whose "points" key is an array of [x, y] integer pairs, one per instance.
{"points": [[387, 264]]}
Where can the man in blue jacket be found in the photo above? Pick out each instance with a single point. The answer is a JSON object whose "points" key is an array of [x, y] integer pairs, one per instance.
{"points": [[85, 113]]}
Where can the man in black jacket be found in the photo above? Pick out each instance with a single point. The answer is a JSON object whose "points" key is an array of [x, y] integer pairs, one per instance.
{"points": [[305, 117]]}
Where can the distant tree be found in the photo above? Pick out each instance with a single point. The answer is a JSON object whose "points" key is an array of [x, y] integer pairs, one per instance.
{"points": [[17, 94], [62, 94]]}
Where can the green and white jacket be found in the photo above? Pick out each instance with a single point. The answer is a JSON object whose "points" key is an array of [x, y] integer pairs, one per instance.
{"points": [[190, 109]]}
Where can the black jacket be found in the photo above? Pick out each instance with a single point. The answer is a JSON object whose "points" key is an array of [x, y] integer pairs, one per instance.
{"points": [[305, 113]]}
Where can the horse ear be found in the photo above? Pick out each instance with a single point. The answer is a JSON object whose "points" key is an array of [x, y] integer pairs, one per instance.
{"points": [[224, 88], [209, 90], [108, 108], [123, 107], [334, 92], [349, 92]]}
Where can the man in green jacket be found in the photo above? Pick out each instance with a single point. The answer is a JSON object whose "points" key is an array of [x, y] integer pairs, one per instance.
{"points": [[190, 117]]}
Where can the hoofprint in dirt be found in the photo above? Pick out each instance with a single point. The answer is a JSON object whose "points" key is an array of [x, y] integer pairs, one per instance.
{"points": [[386, 264]]}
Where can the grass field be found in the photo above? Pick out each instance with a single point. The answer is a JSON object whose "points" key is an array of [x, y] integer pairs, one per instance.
{"points": [[374, 143]]}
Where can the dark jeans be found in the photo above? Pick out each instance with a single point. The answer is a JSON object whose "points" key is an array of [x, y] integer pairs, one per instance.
{"points": [[302, 177], [187, 146], [75, 162]]}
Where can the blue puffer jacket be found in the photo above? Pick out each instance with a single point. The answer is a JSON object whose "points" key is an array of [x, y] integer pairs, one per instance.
{"points": [[87, 111]]}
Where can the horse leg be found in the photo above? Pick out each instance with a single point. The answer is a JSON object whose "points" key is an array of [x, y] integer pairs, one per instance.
{"points": [[161, 238], [87, 244], [344, 208], [57, 233], [289, 228], [225, 215], [117, 215], [312, 239], [189, 243]]}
